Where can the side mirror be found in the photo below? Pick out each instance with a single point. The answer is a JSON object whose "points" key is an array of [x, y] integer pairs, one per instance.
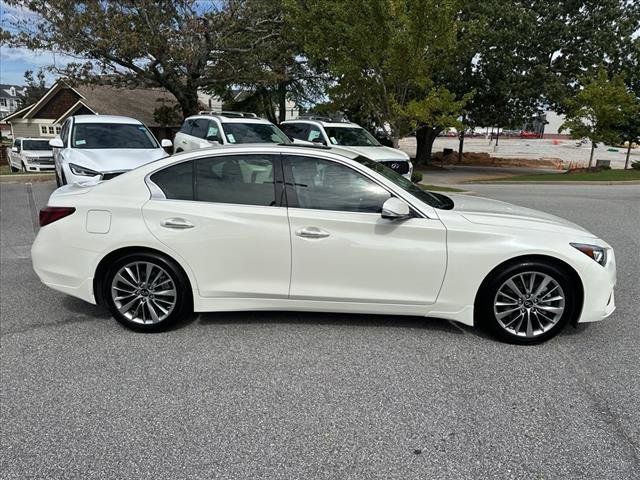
{"points": [[166, 143], [56, 143], [395, 209], [15, 149]]}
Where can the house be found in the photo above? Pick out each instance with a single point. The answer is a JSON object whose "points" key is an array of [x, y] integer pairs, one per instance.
{"points": [[10, 98], [46, 116]]}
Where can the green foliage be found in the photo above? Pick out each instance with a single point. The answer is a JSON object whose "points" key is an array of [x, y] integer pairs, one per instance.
{"points": [[167, 115], [35, 88], [381, 53], [598, 110], [439, 109], [416, 176]]}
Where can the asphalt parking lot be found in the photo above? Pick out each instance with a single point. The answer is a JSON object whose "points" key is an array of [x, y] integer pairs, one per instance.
{"points": [[306, 396]]}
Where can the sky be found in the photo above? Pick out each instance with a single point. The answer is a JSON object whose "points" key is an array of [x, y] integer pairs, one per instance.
{"points": [[15, 61]]}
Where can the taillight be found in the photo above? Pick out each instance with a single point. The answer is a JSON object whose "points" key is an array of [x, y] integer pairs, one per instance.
{"points": [[51, 214]]}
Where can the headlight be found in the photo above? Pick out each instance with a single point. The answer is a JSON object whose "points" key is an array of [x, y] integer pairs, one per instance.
{"points": [[85, 172], [599, 254]]}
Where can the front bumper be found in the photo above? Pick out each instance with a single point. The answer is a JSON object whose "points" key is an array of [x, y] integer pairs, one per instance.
{"points": [[35, 166], [599, 283]]}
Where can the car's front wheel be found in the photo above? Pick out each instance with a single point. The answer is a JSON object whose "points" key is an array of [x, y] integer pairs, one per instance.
{"points": [[527, 303], [147, 292]]}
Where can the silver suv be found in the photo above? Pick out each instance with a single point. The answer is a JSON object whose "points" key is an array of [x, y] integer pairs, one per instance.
{"points": [[210, 129]]}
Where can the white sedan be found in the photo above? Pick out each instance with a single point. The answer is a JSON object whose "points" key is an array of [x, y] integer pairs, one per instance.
{"points": [[315, 229]]}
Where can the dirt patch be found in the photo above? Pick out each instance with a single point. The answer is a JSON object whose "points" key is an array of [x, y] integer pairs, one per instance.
{"points": [[486, 160]]}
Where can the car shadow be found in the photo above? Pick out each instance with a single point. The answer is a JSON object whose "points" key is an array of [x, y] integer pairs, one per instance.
{"points": [[335, 319], [80, 307]]}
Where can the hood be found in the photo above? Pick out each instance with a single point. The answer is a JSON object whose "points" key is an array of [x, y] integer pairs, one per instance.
{"points": [[115, 159], [379, 154], [494, 212]]}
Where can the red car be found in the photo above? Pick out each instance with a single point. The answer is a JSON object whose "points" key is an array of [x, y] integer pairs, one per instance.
{"points": [[528, 134]]}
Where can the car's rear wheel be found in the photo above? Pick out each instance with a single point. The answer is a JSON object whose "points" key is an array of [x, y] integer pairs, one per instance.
{"points": [[147, 292], [527, 303]]}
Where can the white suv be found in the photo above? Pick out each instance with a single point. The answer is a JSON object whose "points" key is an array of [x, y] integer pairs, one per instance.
{"points": [[31, 155], [213, 129], [91, 148], [350, 136]]}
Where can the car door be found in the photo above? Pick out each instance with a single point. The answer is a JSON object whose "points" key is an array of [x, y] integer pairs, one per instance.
{"points": [[342, 248], [224, 215], [14, 156]]}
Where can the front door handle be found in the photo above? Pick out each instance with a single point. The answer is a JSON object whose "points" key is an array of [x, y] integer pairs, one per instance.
{"points": [[312, 232], [177, 223]]}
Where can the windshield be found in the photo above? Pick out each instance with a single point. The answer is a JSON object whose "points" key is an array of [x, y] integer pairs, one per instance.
{"points": [[436, 200], [112, 135], [35, 145], [351, 137], [253, 133]]}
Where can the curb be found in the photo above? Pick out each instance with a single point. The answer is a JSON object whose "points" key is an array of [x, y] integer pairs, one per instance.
{"points": [[559, 182], [26, 177]]}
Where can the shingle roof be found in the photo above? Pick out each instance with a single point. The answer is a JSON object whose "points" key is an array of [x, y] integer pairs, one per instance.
{"points": [[139, 103]]}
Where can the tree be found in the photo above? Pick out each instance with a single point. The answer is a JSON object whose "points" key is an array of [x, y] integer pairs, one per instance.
{"points": [[629, 129], [599, 109], [169, 44], [272, 74], [382, 54], [35, 88]]}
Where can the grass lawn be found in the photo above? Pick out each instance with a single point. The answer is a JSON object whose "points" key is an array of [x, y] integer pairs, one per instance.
{"points": [[602, 176], [5, 169], [439, 188]]}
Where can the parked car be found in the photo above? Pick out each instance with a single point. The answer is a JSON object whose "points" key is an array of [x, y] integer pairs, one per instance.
{"points": [[31, 155], [99, 147], [229, 128], [529, 134], [285, 227], [348, 135]]}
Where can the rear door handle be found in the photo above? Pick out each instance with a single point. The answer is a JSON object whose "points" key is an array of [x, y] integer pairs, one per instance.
{"points": [[312, 232], [176, 223]]}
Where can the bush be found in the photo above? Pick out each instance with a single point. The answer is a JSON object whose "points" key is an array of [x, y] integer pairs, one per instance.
{"points": [[416, 177], [635, 165]]}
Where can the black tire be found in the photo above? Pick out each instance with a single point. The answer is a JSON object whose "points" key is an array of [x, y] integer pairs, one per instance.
{"points": [[14, 169], [485, 308], [183, 303], [58, 181]]}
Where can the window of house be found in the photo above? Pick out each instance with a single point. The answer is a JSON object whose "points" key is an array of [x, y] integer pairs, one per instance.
{"points": [[43, 129], [325, 185], [3, 102], [58, 130], [51, 130]]}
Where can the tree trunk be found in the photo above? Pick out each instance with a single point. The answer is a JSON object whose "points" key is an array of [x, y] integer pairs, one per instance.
{"points": [[187, 98], [461, 146], [282, 102], [626, 163], [497, 136], [593, 147], [425, 136]]}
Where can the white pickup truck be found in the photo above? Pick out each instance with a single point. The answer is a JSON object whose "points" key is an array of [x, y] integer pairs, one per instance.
{"points": [[31, 155]]}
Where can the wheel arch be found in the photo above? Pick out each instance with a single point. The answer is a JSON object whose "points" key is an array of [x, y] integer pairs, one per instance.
{"points": [[105, 262], [573, 274]]}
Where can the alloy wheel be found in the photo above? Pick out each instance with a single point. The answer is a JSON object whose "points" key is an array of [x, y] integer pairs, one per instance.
{"points": [[529, 304], [143, 292]]}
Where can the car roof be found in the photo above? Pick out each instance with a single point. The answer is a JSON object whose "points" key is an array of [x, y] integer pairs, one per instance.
{"points": [[105, 119], [285, 148], [44, 139], [225, 119], [323, 123]]}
